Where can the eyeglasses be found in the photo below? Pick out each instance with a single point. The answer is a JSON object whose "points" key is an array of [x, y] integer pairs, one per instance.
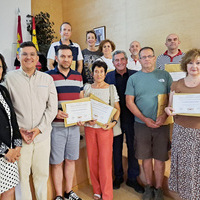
{"points": [[145, 57]]}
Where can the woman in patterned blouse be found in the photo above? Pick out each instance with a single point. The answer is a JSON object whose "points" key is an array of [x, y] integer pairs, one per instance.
{"points": [[10, 141]]}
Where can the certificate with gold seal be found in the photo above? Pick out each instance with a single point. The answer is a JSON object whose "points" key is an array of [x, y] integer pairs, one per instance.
{"points": [[186, 104], [77, 110]]}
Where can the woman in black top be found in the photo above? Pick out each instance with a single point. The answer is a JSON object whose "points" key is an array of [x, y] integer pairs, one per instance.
{"points": [[90, 54], [10, 141]]}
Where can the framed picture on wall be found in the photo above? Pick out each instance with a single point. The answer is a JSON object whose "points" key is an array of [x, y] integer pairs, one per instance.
{"points": [[101, 34]]}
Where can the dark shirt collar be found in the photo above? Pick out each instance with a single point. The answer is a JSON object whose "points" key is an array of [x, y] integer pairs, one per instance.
{"points": [[71, 43], [58, 72], [127, 72]]}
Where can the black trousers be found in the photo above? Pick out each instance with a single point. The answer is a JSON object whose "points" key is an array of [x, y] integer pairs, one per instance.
{"points": [[133, 166]]}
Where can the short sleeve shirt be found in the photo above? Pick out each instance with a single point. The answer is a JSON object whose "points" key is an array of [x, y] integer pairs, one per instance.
{"points": [[76, 51], [146, 87]]}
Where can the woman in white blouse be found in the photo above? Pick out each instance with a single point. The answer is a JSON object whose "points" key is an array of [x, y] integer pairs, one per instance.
{"points": [[99, 140], [107, 47]]}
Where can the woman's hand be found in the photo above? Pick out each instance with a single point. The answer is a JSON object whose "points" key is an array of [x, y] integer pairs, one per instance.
{"points": [[13, 155], [18, 149], [80, 123], [109, 125], [169, 111]]}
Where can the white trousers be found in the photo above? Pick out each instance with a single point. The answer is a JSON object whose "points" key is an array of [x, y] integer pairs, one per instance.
{"points": [[34, 158]]}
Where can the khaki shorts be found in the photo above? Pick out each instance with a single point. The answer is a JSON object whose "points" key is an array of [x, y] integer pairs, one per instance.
{"points": [[151, 142]]}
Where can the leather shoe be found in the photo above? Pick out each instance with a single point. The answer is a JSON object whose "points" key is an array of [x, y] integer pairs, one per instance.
{"points": [[117, 182], [135, 185]]}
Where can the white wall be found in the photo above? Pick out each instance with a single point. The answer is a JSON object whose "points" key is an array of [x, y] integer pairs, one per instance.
{"points": [[8, 27]]}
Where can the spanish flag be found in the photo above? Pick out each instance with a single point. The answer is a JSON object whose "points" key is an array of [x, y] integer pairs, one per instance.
{"points": [[19, 32], [34, 38]]}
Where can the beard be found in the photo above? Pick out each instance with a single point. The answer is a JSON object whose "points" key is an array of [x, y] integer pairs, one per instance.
{"points": [[64, 66]]}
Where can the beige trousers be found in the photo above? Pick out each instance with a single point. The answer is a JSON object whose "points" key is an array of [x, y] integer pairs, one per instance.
{"points": [[34, 159]]}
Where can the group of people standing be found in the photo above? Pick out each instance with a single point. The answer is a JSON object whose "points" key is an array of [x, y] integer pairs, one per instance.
{"points": [[131, 85]]}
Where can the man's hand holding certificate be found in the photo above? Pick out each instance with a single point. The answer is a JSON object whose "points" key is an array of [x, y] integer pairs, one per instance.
{"points": [[77, 111]]}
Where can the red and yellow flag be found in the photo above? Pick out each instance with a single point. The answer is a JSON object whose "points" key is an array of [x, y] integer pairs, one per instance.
{"points": [[19, 33], [34, 38]]}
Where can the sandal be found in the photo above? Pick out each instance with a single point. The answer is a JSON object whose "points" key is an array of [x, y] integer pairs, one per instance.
{"points": [[97, 197]]}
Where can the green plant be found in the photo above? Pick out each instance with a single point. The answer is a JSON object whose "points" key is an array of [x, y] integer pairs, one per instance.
{"points": [[44, 30]]}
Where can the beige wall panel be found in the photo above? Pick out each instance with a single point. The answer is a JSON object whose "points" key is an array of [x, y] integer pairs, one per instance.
{"points": [[146, 21], [53, 7]]}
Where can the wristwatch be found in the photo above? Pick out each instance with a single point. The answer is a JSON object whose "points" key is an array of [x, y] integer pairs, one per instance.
{"points": [[114, 120]]}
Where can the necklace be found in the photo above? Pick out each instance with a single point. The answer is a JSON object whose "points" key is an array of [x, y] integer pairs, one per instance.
{"points": [[192, 82]]}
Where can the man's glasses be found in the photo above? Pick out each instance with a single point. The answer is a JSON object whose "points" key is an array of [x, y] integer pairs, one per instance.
{"points": [[145, 57]]}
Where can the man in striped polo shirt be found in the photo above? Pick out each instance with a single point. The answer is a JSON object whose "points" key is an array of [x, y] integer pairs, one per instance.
{"points": [[172, 55], [65, 141]]}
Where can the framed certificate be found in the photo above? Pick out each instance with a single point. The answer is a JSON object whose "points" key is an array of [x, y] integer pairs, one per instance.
{"points": [[101, 111], [186, 104], [77, 110]]}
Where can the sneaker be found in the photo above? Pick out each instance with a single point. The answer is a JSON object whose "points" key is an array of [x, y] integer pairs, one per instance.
{"points": [[148, 193], [71, 196], [58, 198], [135, 185], [158, 194], [97, 197], [117, 182]]}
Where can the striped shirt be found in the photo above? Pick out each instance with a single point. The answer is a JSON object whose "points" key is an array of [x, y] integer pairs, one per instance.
{"points": [[167, 59], [68, 88]]}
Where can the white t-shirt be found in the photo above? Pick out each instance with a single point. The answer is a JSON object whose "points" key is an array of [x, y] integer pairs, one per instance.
{"points": [[133, 65], [108, 61]]}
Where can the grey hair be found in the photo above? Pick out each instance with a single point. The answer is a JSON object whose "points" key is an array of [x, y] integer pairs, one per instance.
{"points": [[118, 52]]}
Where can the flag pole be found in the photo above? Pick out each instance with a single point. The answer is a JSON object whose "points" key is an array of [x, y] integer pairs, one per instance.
{"points": [[19, 31]]}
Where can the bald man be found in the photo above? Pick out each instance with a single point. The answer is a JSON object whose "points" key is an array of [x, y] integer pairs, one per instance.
{"points": [[133, 59], [172, 55]]}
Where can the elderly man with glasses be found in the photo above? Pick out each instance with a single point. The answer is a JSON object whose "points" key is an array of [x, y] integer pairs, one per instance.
{"points": [[151, 136]]}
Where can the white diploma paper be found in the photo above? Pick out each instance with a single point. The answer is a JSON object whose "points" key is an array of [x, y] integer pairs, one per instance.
{"points": [[177, 75], [79, 111], [186, 104], [100, 111]]}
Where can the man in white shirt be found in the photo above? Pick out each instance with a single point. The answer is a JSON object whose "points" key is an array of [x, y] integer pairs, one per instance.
{"points": [[65, 33], [34, 98], [133, 59]]}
